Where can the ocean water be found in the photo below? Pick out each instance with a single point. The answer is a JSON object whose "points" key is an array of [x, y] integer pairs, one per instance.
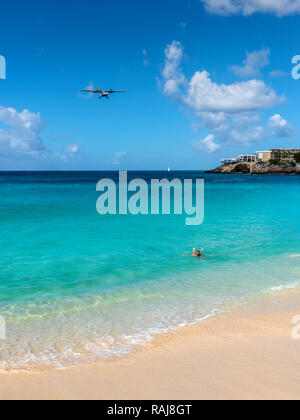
{"points": [[76, 286]]}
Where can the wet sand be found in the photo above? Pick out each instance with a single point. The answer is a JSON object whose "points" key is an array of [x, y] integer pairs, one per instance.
{"points": [[246, 353]]}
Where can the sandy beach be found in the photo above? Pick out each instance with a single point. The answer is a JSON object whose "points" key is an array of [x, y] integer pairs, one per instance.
{"points": [[150, 196], [242, 354]]}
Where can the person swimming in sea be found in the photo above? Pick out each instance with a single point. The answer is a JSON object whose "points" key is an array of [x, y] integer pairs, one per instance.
{"points": [[196, 254]]}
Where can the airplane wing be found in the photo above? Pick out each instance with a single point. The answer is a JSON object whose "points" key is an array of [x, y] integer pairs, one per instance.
{"points": [[91, 91], [118, 91]]}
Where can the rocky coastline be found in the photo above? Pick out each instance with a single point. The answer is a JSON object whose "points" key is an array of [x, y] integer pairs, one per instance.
{"points": [[260, 168]]}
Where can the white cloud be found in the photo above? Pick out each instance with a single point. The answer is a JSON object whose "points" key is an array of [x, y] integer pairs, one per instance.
{"points": [[208, 144], [281, 127], [73, 150], [278, 8], [20, 140], [242, 129], [214, 121], [253, 64], [246, 128], [230, 111], [22, 134], [172, 72], [119, 157], [205, 95]]}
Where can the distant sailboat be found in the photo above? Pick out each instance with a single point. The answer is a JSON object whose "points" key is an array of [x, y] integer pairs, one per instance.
{"points": [[169, 169]]}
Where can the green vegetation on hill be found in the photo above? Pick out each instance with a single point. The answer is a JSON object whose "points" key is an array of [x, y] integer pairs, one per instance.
{"points": [[297, 157], [277, 162]]}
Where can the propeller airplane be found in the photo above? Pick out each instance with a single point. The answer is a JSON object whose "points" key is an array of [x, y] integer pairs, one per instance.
{"points": [[103, 93]]}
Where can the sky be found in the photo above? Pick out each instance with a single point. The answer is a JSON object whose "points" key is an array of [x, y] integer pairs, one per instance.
{"points": [[206, 80]]}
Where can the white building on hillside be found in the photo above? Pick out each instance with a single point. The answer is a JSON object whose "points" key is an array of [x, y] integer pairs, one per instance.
{"points": [[264, 156], [248, 158], [228, 161], [241, 159]]}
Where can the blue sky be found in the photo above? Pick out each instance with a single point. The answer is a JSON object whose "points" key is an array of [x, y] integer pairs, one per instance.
{"points": [[206, 79]]}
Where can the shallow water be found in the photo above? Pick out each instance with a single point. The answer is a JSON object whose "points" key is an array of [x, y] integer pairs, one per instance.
{"points": [[76, 286]]}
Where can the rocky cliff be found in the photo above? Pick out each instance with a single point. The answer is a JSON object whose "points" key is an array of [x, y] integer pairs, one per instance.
{"points": [[257, 169]]}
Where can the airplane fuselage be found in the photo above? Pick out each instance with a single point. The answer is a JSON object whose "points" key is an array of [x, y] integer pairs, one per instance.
{"points": [[104, 95]]}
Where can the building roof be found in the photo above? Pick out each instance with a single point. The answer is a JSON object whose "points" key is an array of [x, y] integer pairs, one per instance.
{"points": [[285, 149]]}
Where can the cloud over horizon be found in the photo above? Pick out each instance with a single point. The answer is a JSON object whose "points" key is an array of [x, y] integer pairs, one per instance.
{"points": [[20, 138], [230, 111], [118, 158], [21, 134], [279, 8]]}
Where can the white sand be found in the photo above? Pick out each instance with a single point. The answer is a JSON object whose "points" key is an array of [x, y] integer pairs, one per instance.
{"points": [[235, 356]]}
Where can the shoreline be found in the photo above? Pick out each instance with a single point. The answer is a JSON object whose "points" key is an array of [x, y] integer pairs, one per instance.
{"points": [[247, 353], [241, 168]]}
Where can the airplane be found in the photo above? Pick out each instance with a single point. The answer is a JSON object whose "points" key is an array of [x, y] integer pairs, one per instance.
{"points": [[103, 93]]}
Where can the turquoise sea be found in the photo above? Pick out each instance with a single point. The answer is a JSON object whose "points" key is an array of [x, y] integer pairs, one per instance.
{"points": [[76, 286]]}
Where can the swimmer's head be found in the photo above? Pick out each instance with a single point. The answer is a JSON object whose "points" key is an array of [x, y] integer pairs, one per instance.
{"points": [[198, 253]]}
